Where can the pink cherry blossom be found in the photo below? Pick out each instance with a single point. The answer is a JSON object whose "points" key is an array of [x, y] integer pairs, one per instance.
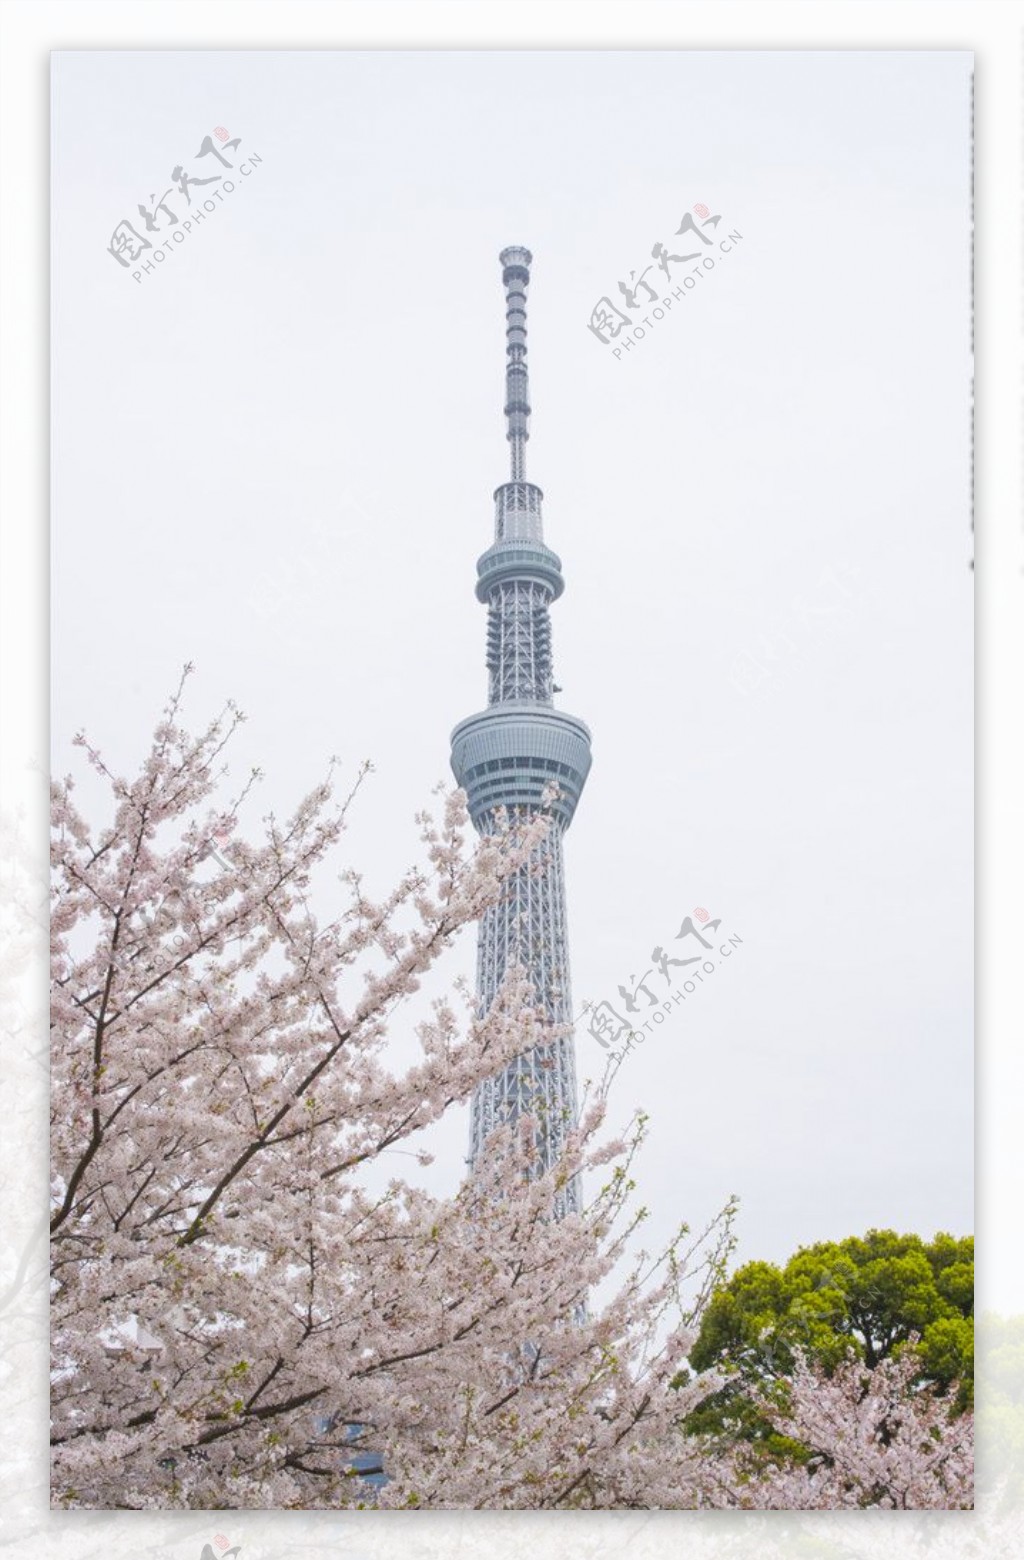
{"points": [[239, 1322]]}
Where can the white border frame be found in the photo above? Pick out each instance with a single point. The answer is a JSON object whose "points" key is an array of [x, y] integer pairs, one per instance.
{"points": [[993, 29]]}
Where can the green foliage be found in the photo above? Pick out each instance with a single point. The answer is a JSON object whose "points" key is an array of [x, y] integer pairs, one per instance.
{"points": [[870, 1294]]}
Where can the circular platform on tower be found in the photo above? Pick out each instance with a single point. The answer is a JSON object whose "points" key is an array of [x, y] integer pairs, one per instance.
{"points": [[507, 755]]}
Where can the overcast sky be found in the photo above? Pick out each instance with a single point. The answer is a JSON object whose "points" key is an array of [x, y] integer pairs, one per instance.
{"points": [[275, 455]]}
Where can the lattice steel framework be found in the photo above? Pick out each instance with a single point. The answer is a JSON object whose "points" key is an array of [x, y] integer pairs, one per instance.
{"points": [[508, 755]]}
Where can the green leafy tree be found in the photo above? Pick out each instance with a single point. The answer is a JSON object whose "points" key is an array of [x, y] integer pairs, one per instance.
{"points": [[877, 1295]]}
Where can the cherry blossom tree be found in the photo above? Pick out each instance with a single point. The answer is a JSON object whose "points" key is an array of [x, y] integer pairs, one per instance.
{"points": [[877, 1438], [237, 1319], [243, 1318]]}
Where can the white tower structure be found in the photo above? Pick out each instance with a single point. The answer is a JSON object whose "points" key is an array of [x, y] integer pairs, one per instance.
{"points": [[507, 756]]}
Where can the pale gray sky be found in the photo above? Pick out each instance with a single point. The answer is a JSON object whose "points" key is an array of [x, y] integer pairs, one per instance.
{"points": [[275, 457]]}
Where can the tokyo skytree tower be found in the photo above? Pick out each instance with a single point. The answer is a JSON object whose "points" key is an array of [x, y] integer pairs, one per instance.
{"points": [[507, 755]]}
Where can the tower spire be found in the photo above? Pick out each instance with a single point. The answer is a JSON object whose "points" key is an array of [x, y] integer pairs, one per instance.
{"points": [[515, 274]]}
